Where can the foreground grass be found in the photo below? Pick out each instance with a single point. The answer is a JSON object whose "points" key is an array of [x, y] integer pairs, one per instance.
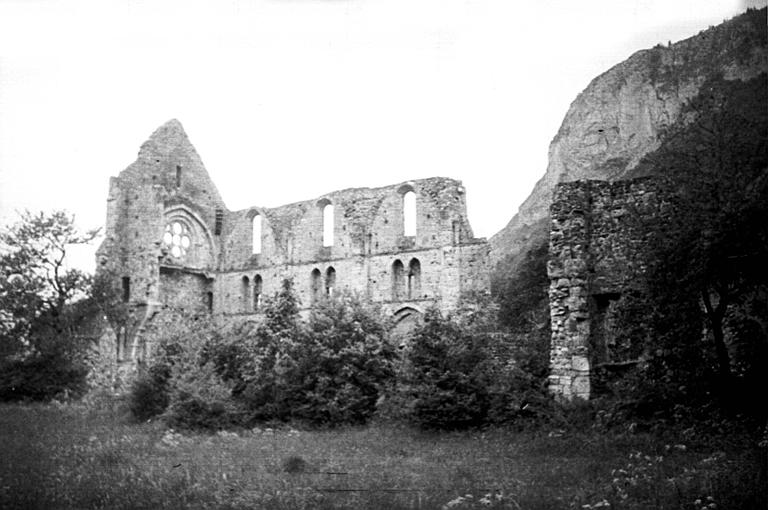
{"points": [[75, 458]]}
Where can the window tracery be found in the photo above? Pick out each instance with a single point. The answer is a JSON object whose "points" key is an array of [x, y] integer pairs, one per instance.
{"points": [[177, 238]]}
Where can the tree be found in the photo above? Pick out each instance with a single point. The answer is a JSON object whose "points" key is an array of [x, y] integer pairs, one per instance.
{"points": [[339, 371], [520, 285], [707, 262], [106, 291], [38, 317]]}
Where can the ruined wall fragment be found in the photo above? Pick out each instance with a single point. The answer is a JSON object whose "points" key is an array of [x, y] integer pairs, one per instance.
{"points": [[598, 232], [181, 251]]}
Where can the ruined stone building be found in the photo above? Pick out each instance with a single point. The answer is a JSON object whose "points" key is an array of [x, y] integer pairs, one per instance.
{"points": [[598, 229], [173, 244]]}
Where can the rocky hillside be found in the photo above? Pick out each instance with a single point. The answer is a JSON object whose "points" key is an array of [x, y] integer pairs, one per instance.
{"points": [[621, 115]]}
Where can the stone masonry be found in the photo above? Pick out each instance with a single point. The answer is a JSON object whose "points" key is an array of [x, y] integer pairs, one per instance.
{"points": [[174, 245], [597, 232]]}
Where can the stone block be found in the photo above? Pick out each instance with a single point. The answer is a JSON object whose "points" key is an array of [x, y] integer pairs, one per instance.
{"points": [[555, 269], [575, 267], [580, 363]]}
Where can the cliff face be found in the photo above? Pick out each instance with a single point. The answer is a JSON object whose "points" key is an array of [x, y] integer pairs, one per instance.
{"points": [[622, 114]]}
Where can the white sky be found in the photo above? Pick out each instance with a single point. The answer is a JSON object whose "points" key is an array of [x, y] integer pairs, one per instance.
{"points": [[288, 99]]}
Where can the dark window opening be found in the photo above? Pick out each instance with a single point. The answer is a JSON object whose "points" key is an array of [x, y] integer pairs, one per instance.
{"points": [[219, 222], [178, 176], [126, 289], [209, 301], [456, 232], [245, 293], [330, 281], [122, 345], [414, 279], [257, 284], [602, 335], [398, 280], [315, 282]]}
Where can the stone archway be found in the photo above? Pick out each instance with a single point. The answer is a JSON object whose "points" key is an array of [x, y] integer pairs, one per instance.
{"points": [[406, 320]]}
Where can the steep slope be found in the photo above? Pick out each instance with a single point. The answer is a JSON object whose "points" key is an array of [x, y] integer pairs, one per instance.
{"points": [[621, 116]]}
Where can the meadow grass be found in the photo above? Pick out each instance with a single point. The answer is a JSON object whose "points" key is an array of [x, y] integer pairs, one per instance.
{"points": [[74, 457]]}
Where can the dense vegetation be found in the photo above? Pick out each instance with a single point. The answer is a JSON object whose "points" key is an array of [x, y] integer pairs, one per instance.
{"points": [[42, 345], [331, 369], [700, 312]]}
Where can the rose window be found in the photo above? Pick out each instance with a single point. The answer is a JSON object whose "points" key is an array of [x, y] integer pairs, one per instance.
{"points": [[177, 238]]}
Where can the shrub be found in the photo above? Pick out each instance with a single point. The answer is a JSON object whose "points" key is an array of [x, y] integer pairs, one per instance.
{"points": [[148, 395], [519, 284], [181, 381], [329, 370], [41, 377], [464, 370], [447, 372], [254, 371], [338, 372]]}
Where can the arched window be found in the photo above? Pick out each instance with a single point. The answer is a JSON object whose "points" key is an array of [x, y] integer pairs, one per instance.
{"points": [[256, 225], [218, 221], [330, 281], [126, 289], [398, 280], [245, 294], [315, 285], [409, 214], [414, 279], [328, 224], [178, 238], [257, 284]]}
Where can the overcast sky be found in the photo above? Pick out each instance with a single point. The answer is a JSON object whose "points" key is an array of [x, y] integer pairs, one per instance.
{"points": [[288, 99]]}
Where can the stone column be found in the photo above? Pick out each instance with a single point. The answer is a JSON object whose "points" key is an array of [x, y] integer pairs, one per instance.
{"points": [[567, 269]]}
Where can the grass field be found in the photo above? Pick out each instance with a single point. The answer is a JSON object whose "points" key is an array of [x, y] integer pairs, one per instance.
{"points": [[67, 456]]}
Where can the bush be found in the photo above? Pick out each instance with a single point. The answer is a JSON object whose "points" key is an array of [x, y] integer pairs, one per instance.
{"points": [[148, 395], [41, 377], [464, 370], [446, 375], [199, 399], [329, 370], [254, 371], [181, 382], [338, 372]]}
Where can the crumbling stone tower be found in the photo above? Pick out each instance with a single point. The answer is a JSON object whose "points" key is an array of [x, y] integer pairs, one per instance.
{"points": [[171, 244], [597, 233]]}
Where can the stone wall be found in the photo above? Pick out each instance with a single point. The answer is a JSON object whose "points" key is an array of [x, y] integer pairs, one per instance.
{"points": [[597, 232], [172, 239]]}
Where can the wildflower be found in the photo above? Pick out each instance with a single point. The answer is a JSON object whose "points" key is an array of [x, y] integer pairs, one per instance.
{"points": [[452, 503], [600, 504]]}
